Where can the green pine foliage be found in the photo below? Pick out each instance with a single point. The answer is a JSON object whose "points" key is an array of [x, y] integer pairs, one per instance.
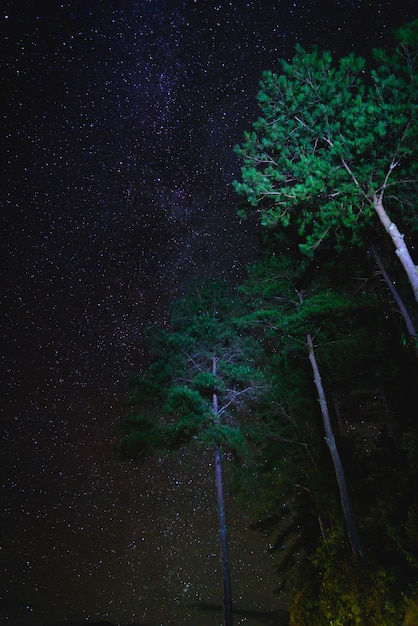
{"points": [[332, 134], [172, 402]]}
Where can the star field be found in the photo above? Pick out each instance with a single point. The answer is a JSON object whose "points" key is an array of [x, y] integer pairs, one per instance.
{"points": [[119, 123]]}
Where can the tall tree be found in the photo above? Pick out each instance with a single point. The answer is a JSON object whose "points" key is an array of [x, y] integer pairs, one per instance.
{"points": [[203, 380], [350, 523], [335, 147], [292, 315]]}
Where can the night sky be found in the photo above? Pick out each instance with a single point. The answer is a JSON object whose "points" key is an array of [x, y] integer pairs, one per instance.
{"points": [[119, 125]]}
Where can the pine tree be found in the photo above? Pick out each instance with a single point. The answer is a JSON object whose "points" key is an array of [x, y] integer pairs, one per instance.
{"points": [[202, 382], [292, 315], [334, 151]]}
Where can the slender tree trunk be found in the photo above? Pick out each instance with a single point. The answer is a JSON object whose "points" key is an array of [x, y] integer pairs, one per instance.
{"points": [[223, 534], [339, 470], [398, 240], [402, 308]]}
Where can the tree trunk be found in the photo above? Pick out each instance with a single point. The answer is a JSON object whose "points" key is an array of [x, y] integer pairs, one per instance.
{"points": [[398, 240], [402, 308], [223, 534], [339, 471]]}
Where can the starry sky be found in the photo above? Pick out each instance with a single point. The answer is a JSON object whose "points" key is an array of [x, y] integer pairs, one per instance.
{"points": [[119, 121]]}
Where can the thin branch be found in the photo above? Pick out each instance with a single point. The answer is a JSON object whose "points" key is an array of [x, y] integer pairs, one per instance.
{"points": [[235, 395], [385, 182], [197, 366]]}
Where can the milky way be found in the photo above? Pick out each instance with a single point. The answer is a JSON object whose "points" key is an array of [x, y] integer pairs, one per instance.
{"points": [[120, 120]]}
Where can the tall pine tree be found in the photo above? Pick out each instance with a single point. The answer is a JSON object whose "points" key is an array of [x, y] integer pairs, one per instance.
{"points": [[202, 382]]}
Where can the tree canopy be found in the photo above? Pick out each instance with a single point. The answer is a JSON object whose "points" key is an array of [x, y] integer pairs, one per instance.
{"points": [[335, 147], [172, 402]]}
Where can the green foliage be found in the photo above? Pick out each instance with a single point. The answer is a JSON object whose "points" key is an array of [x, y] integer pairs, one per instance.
{"points": [[346, 593], [407, 35], [331, 137], [184, 401], [321, 149], [285, 300], [285, 303], [331, 134], [226, 437], [201, 356], [337, 590], [207, 383]]}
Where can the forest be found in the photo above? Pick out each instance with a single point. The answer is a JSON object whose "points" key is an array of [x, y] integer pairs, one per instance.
{"points": [[303, 378]]}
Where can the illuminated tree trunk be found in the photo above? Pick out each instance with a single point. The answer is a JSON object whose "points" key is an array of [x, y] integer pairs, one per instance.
{"points": [[400, 247], [339, 470], [223, 534], [226, 574]]}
